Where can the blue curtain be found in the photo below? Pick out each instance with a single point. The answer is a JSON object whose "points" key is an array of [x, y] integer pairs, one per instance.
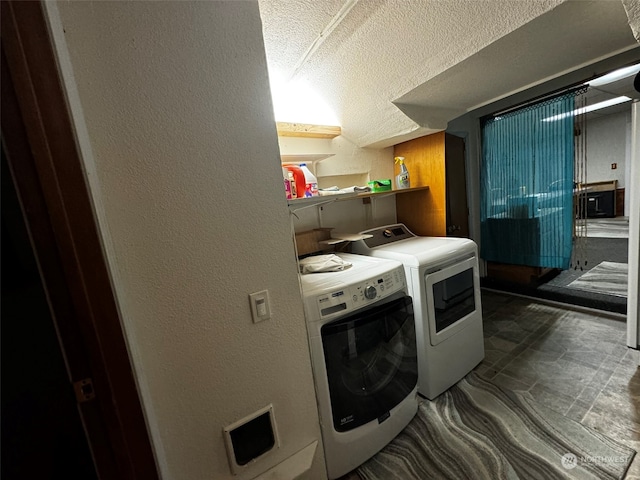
{"points": [[527, 185]]}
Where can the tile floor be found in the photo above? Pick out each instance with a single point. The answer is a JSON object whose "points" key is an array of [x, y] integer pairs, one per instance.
{"points": [[574, 362]]}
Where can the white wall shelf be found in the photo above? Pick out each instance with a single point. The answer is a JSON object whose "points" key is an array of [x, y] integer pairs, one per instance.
{"points": [[308, 158], [299, 203]]}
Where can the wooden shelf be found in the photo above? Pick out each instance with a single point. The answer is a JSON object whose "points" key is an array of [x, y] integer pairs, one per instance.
{"points": [[321, 239], [307, 130], [391, 192]]}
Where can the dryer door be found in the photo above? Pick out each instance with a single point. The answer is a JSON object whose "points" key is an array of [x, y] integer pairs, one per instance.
{"points": [[452, 299], [371, 362]]}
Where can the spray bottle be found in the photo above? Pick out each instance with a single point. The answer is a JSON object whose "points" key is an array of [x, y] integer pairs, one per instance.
{"points": [[402, 179]]}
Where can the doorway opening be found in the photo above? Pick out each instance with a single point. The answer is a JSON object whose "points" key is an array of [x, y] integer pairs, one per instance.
{"points": [[42, 433], [599, 278]]}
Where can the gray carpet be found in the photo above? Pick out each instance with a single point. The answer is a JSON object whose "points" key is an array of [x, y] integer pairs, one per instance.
{"points": [[617, 227], [609, 278], [476, 430], [597, 250]]}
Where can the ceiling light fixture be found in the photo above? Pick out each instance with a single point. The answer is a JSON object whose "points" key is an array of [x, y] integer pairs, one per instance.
{"points": [[590, 108], [614, 76], [296, 102]]}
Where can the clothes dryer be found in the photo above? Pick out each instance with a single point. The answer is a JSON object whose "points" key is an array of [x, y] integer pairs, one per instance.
{"points": [[443, 280]]}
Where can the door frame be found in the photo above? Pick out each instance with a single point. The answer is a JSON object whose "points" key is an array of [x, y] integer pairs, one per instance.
{"points": [[633, 288], [457, 203], [47, 170]]}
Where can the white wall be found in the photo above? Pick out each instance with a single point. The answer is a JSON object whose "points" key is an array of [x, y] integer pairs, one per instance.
{"points": [[607, 143], [172, 108], [347, 216], [349, 165]]}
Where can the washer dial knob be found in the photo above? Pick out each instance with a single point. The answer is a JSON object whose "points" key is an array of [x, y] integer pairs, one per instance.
{"points": [[370, 292]]}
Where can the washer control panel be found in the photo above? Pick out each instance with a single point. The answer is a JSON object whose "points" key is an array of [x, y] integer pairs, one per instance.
{"points": [[361, 293]]}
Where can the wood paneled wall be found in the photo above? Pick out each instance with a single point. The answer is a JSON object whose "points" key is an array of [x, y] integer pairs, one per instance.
{"points": [[424, 211], [620, 202]]}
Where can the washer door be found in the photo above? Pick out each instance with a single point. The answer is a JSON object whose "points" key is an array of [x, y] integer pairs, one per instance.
{"points": [[371, 362], [452, 299]]}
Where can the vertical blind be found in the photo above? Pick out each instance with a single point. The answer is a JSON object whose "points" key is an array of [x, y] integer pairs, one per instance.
{"points": [[527, 184]]}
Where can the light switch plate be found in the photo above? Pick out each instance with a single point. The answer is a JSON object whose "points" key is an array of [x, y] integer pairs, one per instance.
{"points": [[260, 306]]}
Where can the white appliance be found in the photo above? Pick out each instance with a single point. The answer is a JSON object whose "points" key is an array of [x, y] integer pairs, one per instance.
{"points": [[363, 350], [443, 280]]}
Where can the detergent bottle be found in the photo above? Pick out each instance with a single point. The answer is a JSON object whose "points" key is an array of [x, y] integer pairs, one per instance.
{"points": [[310, 180], [297, 182], [402, 179], [287, 183]]}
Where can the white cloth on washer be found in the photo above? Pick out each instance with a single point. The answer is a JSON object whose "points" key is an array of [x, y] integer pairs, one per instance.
{"points": [[323, 263]]}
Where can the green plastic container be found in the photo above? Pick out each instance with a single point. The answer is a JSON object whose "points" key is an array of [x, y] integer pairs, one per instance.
{"points": [[380, 185]]}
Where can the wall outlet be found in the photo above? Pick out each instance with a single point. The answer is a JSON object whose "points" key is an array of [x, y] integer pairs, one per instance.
{"points": [[614, 166]]}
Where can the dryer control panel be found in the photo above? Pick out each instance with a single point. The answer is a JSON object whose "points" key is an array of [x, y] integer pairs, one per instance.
{"points": [[387, 234], [361, 294]]}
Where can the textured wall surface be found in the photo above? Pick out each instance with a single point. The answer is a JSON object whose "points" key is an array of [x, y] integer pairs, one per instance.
{"points": [[173, 108], [346, 159], [632, 7], [381, 50], [399, 69]]}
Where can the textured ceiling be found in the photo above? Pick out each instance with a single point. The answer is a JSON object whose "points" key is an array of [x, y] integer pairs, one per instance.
{"points": [[397, 69]]}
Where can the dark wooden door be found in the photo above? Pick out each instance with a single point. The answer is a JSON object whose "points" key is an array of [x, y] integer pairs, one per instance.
{"points": [[456, 187], [40, 148], [42, 434]]}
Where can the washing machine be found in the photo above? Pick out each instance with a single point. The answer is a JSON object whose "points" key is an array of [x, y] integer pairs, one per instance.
{"points": [[363, 347], [444, 282]]}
